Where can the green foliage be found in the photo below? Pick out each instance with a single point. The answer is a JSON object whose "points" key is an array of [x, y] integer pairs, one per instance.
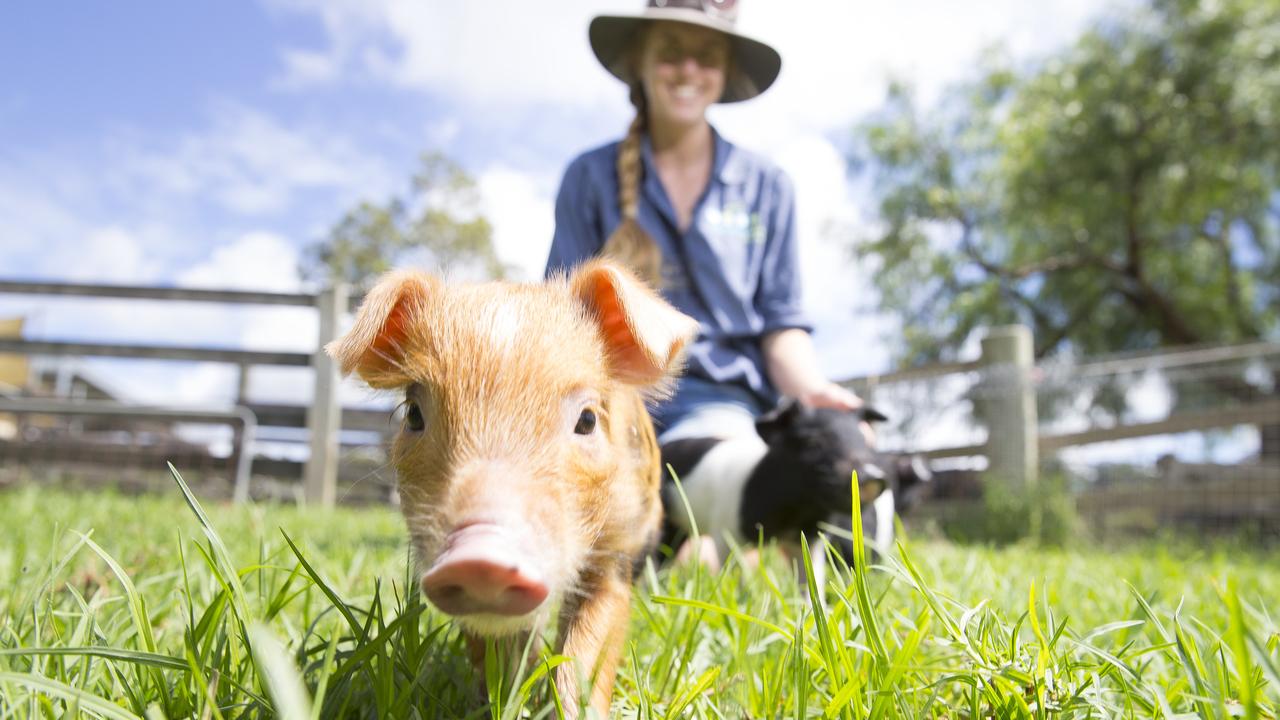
{"points": [[1123, 194], [241, 603], [439, 225], [1043, 515]]}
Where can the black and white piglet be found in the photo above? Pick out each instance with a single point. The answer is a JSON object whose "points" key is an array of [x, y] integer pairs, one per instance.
{"points": [[790, 479]]}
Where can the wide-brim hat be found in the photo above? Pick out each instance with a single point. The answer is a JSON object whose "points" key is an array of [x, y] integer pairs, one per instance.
{"points": [[752, 70]]}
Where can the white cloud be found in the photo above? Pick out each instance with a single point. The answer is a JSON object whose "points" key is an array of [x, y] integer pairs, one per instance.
{"points": [[836, 54], [29, 217], [250, 163], [153, 191], [491, 53], [304, 68], [130, 207], [261, 261], [443, 133], [835, 288], [53, 239], [257, 260], [115, 254], [520, 207], [176, 384]]}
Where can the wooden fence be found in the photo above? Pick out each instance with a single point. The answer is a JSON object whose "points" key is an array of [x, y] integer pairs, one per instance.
{"points": [[1005, 373], [322, 416], [1015, 441]]}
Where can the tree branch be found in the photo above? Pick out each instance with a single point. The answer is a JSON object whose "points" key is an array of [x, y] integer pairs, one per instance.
{"points": [[1057, 263], [1147, 299], [1082, 314], [1235, 302]]}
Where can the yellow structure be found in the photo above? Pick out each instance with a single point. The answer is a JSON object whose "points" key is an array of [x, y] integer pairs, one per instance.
{"points": [[13, 368], [13, 373]]}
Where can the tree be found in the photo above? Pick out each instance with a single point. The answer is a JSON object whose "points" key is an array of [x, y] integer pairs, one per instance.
{"points": [[1123, 195], [440, 224]]}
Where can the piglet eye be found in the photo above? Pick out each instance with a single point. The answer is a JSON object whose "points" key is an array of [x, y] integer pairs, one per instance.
{"points": [[413, 417], [586, 422]]}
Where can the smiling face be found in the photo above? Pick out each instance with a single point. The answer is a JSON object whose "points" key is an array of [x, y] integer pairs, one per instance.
{"points": [[682, 69]]}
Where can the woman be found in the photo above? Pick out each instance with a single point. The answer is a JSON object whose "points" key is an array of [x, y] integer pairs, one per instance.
{"points": [[709, 224]]}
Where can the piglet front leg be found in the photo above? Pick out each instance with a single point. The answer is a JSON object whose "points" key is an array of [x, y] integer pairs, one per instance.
{"points": [[592, 630], [477, 649]]}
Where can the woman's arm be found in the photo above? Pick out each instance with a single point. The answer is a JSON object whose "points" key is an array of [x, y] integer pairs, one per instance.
{"points": [[789, 357], [792, 365]]}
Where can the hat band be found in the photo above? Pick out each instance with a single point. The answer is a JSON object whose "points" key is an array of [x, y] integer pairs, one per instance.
{"points": [[724, 10]]}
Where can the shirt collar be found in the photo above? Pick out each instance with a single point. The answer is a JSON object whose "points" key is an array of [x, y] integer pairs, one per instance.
{"points": [[727, 163], [729, 169]]}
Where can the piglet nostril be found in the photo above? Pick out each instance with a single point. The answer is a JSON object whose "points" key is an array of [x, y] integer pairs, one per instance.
{"points": [[445, 596], [471, 587]]}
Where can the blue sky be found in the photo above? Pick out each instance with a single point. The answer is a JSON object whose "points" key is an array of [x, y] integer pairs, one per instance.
{"points": [[204, 143]]}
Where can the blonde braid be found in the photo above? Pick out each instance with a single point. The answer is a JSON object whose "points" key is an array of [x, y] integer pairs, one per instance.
{"points": [[629, 243], [631, 168]]}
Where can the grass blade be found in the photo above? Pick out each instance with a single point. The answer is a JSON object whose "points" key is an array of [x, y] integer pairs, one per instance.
{"points": [[1236, 632], [328, 591], [223, 556], [279, 675], [737, 615], [54, 688], [132, 656]]}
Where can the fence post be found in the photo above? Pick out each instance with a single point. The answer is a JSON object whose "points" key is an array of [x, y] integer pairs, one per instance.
{"points": [[324, 416], [1009, 404], [242, 383], [241, 460]]}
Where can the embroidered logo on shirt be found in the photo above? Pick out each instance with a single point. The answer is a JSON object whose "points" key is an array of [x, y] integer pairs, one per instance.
{"points": [[732, 224], [756, 235]]}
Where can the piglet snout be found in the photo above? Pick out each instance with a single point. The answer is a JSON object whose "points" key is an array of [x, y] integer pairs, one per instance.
{"points": [[484, 570]]}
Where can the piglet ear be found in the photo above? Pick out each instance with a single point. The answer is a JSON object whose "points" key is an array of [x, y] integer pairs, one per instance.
{"points": [[644, 336], [871, 414], [773, 425], [375, 345], [787, 409]]}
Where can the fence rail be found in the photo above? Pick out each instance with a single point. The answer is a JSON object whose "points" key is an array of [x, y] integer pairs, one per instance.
{"points": [[133, 292], [155, 352], [242, 420], [1187, 421], [1179, 357], [323, 416], [1257, 413], [1001, 389], [1014, 386]]}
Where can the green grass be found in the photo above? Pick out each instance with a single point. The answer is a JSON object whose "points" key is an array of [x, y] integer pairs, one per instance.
{"points": [[123, 607]]}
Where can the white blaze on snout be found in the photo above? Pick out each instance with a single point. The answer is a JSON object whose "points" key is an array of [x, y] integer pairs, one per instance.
{"points": [[492, 566], [504, 326]]}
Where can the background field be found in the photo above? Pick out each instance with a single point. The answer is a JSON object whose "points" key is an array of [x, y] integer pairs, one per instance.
{"points": [[1160, 629]]}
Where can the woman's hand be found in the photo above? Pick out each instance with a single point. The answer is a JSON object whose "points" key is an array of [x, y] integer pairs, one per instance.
{"points": [[830, 395], [793, 367]]}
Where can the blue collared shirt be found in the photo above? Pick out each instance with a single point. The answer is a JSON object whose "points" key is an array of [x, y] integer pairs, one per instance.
{"points": [[735, 270]]}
